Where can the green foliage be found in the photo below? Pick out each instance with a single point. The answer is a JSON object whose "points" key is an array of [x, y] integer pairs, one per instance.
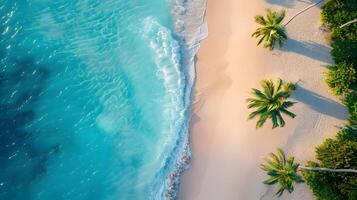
{"points": [[338, 154], [322, 185], [352, 189], [347, 133], [282, 171], [271, 32], [271, 102], [337, 12], [334, 153], [350, 100], [341, 78], [344, 51]]}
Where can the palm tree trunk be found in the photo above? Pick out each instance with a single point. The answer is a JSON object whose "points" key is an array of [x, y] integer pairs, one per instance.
{"points": [[327, 169], [348, 23], [307, 8]]}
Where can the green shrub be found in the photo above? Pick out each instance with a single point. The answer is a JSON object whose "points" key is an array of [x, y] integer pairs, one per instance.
{"points": [[337, 12], [347, 133], [346, 33], [322, 185], [333, 153], [352, 187], [344, 51], [341, 78], [350, 100]]}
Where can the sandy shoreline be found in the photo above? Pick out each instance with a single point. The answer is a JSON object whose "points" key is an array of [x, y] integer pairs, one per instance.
{"points": [[226, 148]]}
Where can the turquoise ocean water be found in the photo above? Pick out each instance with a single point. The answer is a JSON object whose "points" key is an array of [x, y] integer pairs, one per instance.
{"points": [[94, 99]]}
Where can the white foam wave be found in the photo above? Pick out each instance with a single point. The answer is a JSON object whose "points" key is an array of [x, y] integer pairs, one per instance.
{"points": [[167, 57], [174, 54], [190, 29]]}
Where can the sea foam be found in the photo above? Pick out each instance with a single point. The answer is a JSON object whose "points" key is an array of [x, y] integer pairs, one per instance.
{"points": [[190, 25]]}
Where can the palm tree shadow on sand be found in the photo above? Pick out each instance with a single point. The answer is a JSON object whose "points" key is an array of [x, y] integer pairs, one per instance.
{"points": [[320, 103], [309, 49], [288, 3]]}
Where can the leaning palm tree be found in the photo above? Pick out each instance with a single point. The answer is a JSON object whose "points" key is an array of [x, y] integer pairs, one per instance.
{"points": [[284, 171], [272, 30], [271, 102]]}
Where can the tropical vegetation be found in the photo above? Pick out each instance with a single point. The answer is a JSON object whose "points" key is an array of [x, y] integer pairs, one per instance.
{"points": [[271, 102], [341, 152], [284, 171], [341, 78]]}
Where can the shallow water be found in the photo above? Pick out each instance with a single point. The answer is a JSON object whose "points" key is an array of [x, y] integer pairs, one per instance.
{"points": [[91, 99]]}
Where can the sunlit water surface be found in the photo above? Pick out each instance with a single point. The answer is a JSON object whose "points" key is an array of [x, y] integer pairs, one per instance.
{"points": [[91, 99]]}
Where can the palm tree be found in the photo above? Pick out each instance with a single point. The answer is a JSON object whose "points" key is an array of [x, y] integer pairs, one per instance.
{"points": [[271, 102], [272, 31], [284, 171]]}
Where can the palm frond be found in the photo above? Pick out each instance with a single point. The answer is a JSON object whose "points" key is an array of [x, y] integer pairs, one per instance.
{"points": [[281, 156], [275, 121], [268, 87], [288, 113], [279, 192], [261, 121], [271, 181], [259, 94], [288, 104], [289, 87], [280, 16], [281, 120], [260, 20], [278, 85], [263, 38]]}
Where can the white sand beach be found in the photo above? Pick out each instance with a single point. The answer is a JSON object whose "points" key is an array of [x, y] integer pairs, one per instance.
{"points": [[226, 148]]}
